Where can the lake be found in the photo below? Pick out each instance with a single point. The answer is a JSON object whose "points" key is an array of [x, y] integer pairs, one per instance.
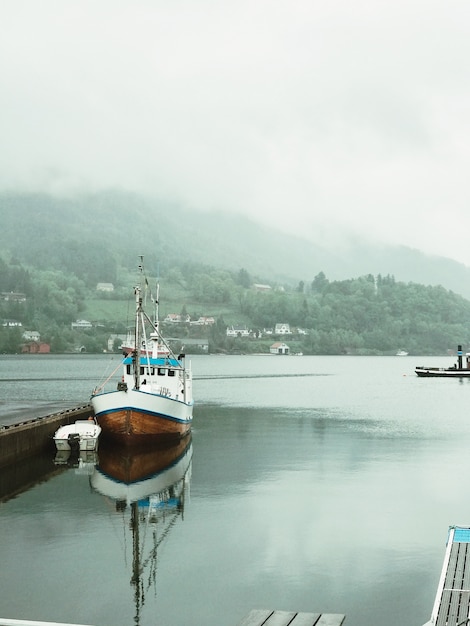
{"points": [[318, 484]]}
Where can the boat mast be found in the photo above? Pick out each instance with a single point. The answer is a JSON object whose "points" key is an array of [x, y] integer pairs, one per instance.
{"points": [[138, 336], [155, 321]]}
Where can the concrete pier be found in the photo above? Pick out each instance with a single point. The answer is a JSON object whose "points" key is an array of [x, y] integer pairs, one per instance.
{"points": [[29, 437]]}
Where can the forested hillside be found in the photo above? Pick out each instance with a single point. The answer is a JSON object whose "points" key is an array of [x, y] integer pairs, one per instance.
{"points": [[92, 236], [365, 315]]}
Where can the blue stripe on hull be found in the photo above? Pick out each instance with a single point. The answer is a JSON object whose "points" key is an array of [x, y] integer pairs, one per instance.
{"points": [[170, 418]]}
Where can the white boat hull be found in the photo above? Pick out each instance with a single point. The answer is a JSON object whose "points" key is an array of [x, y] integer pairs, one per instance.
{"points": [[135, 416]]}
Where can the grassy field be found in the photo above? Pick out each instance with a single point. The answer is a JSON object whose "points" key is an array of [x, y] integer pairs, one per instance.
{"points": [[108, 310], [122, 311]]}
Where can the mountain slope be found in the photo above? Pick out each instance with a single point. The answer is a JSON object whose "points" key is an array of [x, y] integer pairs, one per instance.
{"points": [[92, 234]]}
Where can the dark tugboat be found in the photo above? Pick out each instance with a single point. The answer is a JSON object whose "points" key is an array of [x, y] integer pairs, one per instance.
{"points": [[459, 370]]}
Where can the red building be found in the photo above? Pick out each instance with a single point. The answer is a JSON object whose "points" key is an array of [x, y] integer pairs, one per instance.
{"points": [[36, 347]]}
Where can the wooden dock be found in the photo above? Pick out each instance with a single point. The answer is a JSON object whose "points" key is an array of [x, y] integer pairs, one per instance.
{"points": [[259, 617], [452, 603]]}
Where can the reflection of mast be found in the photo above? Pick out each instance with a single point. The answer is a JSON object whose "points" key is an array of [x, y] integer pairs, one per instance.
{"points": [[136, 581], [163, 507], [150, 484]]}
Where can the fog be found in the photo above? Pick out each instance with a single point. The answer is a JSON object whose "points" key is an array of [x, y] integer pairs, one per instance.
{"points": [[320, 118]]}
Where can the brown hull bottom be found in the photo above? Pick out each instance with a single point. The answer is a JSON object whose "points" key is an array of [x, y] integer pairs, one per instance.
{"points": [[130, 427]]}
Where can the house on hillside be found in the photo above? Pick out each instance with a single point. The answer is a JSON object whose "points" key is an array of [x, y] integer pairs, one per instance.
{"points": [[176, 318], [31, 335], [282, 329], [201, 345], [105, 287], [35, 347], [260, 287], [82, 324], [237, 331], [13, 296], [115, 341], [204, 321], [11, 323], [279, 348]]}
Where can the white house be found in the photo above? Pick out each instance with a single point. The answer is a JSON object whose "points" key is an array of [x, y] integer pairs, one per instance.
{"points": [[279, 348], [31, 335], [260, 287], [105, 287], [282, 329], [11, 323], [82, 324], [238, 331], [204, 321], [12, 296]]}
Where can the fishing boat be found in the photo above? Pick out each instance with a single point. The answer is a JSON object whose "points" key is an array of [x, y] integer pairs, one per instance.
{"points": [[80, 436], [149, 504], [401, 353], [153, 400], [458, 370]]}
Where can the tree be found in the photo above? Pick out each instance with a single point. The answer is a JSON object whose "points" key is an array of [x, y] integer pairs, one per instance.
{"points": [[320, 282], [244, 279]]}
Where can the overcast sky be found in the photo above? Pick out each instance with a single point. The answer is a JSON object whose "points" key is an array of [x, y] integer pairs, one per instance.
{"points": [[313, 115]]}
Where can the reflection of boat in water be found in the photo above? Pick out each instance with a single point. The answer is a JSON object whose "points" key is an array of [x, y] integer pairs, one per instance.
{"points": [[128, 475], [148, 488], [84, 462], [154, 398], [459, 370]]}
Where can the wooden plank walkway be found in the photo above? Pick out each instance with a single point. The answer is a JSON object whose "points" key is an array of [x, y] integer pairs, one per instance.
{"points": [[452, 603], [259, 617]]}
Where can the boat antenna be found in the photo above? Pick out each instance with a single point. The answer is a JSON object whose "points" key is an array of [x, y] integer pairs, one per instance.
{"points": [[138, 323], [137, 336], [157, 291]]}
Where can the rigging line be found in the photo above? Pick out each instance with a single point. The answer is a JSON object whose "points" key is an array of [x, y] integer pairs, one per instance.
{"points": [[100, 387], [107, 367], [161, 338]]}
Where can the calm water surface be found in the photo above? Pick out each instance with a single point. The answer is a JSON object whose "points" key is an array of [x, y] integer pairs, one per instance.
{"points": [[323, 484]]}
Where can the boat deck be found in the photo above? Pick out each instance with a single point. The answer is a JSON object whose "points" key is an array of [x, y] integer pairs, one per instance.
{"points": [[452, 603], [267, 617]]}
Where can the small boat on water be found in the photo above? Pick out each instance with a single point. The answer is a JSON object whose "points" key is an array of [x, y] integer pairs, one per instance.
{"points": [[458, 370], [402, 353], [153, 401], [80, 436]]}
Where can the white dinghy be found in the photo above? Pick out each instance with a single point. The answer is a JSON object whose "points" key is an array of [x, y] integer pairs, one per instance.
{"points": [[80, 436]]}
